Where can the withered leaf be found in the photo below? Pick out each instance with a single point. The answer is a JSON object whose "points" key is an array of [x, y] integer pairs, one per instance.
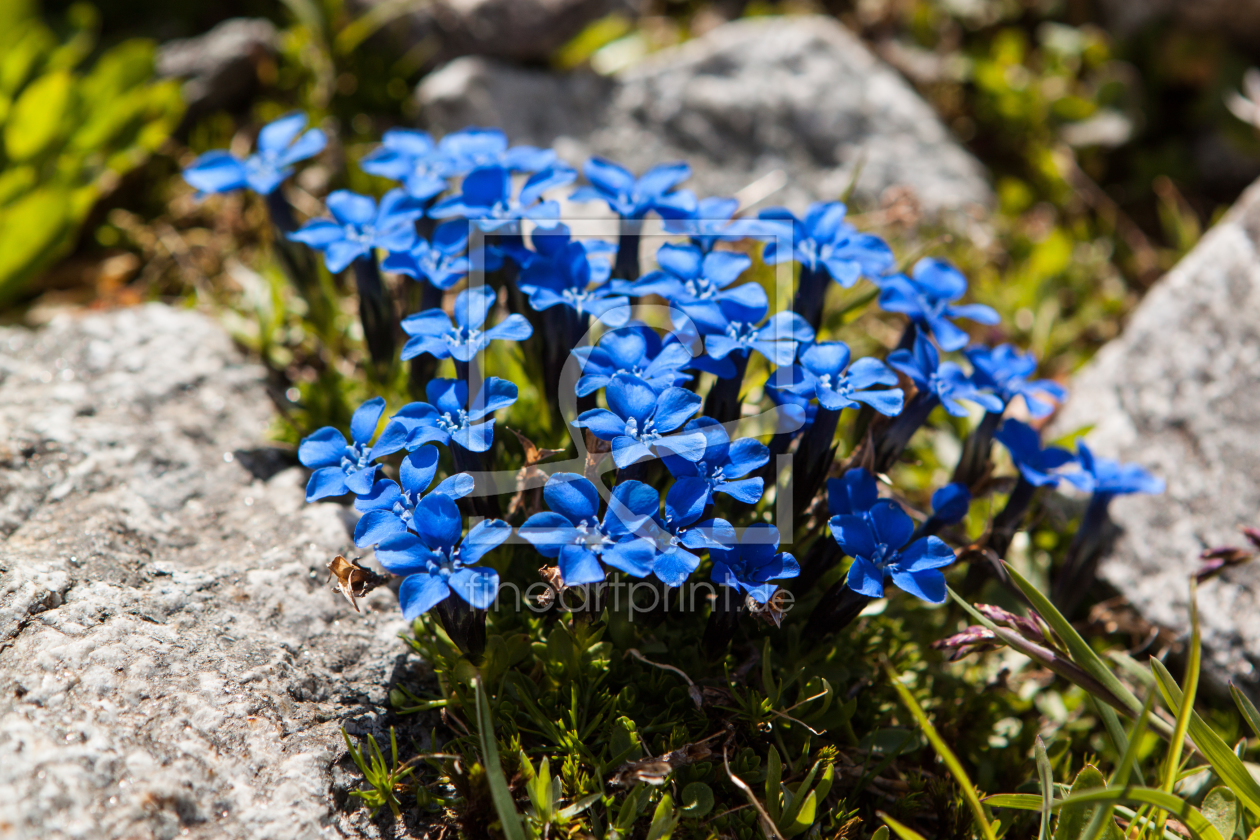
{"points": [[353, 580]]}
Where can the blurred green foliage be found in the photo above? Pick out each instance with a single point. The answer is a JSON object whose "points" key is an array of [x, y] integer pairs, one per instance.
{"points": [[69, 134]]}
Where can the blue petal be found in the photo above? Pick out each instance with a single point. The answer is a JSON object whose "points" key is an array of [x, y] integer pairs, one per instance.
{"points": [[888, 403], [362, 481], [351, 208], [890, 523], [495, 394], [215, 172], [926, 553], [431, 322], [404, 554], [366, 417], [478, 586], [630, 506], [744, 456], [746, 490], [689, 445], [630, 397], [865, 578], [322, 448], [572, 496], [377, 525], [854, 535], [418, 469], [475, 438], [633, 556], [383, 496], [627, 451], [685, 502], [485, 536], [437, 521], [279, 133], [326, 483], [674, 566], [673, 407], [603, 423], [308, 145], [928, 585], [579, 565], [682, 261], [420, 593], [548, 532], [512, 328]]}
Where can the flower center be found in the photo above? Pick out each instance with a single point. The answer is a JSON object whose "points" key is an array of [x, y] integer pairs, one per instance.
{"points": [[448, 424], [591, 536], [355, 458]]}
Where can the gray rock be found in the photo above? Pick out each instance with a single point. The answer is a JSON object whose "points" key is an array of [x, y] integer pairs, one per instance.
{"points": [[1235, 19], [221, 66], [1178, 393], [797, 94], [172, 659], [517, 30]]}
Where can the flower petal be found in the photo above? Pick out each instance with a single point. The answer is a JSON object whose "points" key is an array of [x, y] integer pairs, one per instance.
{"points": [[420, 593], [322, 448], [479, 586], [572, 496]]}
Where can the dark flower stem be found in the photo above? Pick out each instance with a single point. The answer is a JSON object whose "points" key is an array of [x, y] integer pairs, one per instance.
{"points": [[839, 607], [1008, 520], [423, 367], [627, 265], [908, 335], [822, 555], [811, 291], [375, 311], [720, 629], [1080, 566], [897, 434], [722, 404], [813, 458], [974, 460], [473, 462], [465, 625], [298, 263]]}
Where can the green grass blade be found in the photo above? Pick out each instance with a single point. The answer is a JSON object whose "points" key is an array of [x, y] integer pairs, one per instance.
{"points": [[499, 792], [1247, 708], [1173, 763], [1228, 766], [1189, 816], [905, 832], [1122, 742], [1082, 654], [946, 754], [1019, 801], [1045, 775]]}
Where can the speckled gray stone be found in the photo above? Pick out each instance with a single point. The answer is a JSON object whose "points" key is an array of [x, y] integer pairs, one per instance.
{"points": [[172, 660], [1179, 392], [798, 94]]}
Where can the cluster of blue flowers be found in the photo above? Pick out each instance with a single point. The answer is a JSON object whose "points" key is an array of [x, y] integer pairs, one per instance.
{"points": [[561, 287]]}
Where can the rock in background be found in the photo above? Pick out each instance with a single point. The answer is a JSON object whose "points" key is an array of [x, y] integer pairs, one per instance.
{"points": [[172, 659], [1179, 393], [800, 95], [220, 68]]}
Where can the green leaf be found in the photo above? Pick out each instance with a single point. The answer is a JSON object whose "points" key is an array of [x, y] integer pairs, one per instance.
{"points": [[1082, 654], [697, 800], [905, 832], [946, 754], [1074, 822], [1220, 808], [804, 815], [1247, 708], [569, 812], [1173, 763], [1045, 777], [500, 794], [33, 232], [881, 833], [632, 806], [664, 820], [1182, 810], [38, 116], [774, 774], [1228, 766], [1019, 801]]}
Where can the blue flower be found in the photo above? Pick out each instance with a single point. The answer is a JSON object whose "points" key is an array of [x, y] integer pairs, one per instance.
{"points": [[471, 148], [943, 380], [711, 223], [824, 241], [448, 417], [438, 261], [927, 299], [641, 419], [563, 273], [723, 465], [341, 467], [487, 200], [412, 157], [573, 532], [854, 493], [1106, 478], [950, 504], [219, 171], [754, 562], [680, 533], [632, 198], [877, 542], [688, 275], [1035, 464], [434, 563], [795, 410], [1005, 371], [389, 509], [731, 327], [433, 333], [634, 349], [358, 226], [824, 377]]}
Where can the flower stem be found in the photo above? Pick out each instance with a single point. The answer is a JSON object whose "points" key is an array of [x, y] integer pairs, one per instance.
{"points": [[722, 403], [897, 434], [627, 265], [811, 291], [375, 312], [974, 460]]}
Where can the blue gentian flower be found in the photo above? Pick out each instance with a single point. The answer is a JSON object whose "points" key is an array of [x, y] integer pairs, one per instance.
{"points": [[951, 503], [434, 563], [638, 419], [473, 147], [440, 261], [754, 563], [681, 533], [219, 171], [945, 381], [448, 417], [358, 226], [564, 273], [796, 411], [823, 241], [1107, 478], [711, 223], [1035, 465], [927, 299], [487, 200], [825, 378], [723, 464], [1005, 371], [411, 156], [688, 275], [433, 332], [731, 327], [389, 507], [853, 494], [632, 198], [634, 349], [573, 532], [341, 467], [877, 542]]}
